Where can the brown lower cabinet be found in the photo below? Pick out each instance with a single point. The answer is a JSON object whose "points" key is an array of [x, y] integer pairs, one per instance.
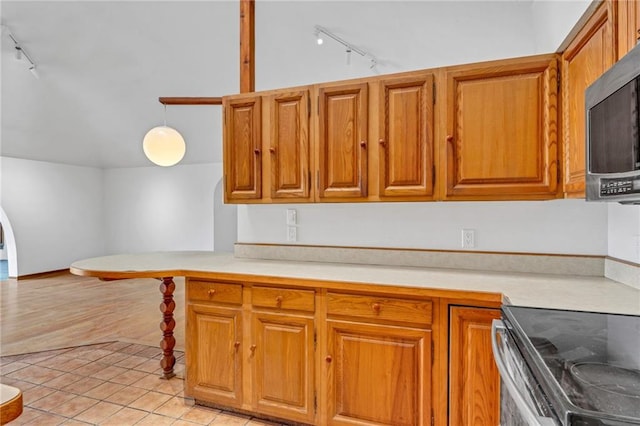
{"points": [[474, 380], [332, 354], [378, 361]]}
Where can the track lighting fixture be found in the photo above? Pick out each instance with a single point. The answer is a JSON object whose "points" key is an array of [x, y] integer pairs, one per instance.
{"points": [[349, 47], [22, 54]]}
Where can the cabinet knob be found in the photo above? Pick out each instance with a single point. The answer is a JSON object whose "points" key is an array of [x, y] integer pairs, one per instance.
{"points": [[328, 358], [252, 348], [272, 150], [363, 144], [279, 301], [236, 345], [256, 151], [449, 138], [383, 143], [211, 292], [376, 307]]}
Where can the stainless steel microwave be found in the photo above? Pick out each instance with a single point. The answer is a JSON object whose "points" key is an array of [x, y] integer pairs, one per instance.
{"points": [[613, 133]]}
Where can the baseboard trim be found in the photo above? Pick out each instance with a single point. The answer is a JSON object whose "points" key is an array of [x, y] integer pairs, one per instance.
{"points": [[38, 275]]}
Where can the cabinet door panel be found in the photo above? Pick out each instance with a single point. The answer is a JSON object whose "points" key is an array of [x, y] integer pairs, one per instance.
{"points": [[502, 130], [343, 121], [406, 137], [214, 368], [628, 23], [474, 379], [588, 56], [242, 148], [283, 366], [289, 146], [378, 374]]}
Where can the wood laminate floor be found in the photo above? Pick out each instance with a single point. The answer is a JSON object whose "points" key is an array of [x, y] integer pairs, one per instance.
{"points": [[63, 310], [85, 352]]}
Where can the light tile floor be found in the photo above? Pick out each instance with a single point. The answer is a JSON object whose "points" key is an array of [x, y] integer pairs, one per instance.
{"points": [[106, 384]]}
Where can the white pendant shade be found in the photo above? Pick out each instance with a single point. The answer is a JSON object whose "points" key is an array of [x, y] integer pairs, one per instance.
{"points": [[164, 146]]}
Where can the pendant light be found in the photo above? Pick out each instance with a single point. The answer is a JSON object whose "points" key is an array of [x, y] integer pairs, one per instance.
{"points": [[164, 145]]}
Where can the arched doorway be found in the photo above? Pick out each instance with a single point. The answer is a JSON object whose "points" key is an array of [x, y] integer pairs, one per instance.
{"points": [[8, 245]]}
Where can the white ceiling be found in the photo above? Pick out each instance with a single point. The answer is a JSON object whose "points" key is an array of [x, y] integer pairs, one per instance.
{"points": [[102, 67], [103, 64]]}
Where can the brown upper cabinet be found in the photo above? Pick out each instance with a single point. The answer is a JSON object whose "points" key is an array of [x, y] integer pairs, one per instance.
{"points": [[288, 158], [501, 130], [365, 140], [511, 129], [589, 54], [373, 139], [266, 142], [242, 148], [405, 137], [343, 141], [628, 23]]}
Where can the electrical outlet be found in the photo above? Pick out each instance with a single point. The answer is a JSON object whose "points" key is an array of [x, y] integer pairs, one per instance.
{"points": [[292, 234], [292, 217], [468, 238]]}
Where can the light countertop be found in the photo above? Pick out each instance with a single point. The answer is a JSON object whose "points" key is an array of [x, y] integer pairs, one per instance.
{"points": [[539, 290]]}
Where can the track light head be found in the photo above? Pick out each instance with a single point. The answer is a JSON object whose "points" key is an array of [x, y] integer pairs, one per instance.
{"points": [[320, 31], [34, 71], [21, 53]]}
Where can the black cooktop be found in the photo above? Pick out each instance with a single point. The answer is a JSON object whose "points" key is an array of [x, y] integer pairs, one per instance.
{"points": [[587, 362]]}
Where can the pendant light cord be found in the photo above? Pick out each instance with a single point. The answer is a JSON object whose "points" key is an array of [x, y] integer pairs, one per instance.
{"points": [[165, 116]]}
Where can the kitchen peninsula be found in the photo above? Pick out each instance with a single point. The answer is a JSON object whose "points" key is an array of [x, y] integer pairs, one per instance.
{"points": [[304, 341]]}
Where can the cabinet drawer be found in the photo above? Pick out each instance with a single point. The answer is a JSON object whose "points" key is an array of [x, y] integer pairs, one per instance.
{"points": [[214, 292], [283, 298], [380, 307]]}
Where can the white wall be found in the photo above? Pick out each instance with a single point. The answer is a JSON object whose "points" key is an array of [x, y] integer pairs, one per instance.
{"points": [[564, 226], [155, 208], [405, 36], [624, 232], [553, 20], [55, 212]]}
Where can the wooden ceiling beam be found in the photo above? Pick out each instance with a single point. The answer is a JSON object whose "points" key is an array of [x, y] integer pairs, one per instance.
{"points": [[184, 100], [247, 46]]}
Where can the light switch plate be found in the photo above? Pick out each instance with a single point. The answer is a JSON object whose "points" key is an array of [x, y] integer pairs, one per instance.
{"points": [[292, 234], [292, 217]]}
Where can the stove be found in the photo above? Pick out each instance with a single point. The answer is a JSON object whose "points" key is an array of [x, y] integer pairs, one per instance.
{"points": [[586, 364]]}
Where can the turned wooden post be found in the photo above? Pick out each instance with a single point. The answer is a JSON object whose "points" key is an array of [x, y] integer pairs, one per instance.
{"points": [[167, 325]]}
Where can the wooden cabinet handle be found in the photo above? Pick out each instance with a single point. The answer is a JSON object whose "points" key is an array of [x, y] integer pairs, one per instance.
{"points": [[272, 150], [450, 138], [256, 151], [328, 358], [376, 307], [252, 348], [383, 143], [363, 144], [279, 301], [236, 345], [211, 292]]}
